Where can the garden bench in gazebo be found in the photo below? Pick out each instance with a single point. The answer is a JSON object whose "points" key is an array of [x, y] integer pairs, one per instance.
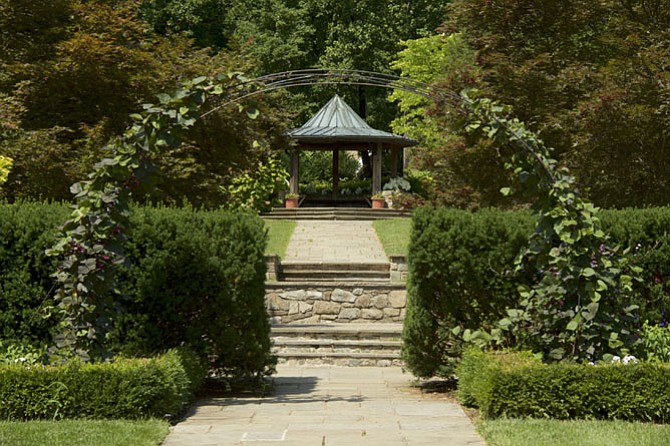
{"points": [[337, 127]]}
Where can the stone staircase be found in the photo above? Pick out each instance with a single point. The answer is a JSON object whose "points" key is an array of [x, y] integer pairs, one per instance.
{"points": [[335, 272], [339, 344], [333, 213], [331, 299]]}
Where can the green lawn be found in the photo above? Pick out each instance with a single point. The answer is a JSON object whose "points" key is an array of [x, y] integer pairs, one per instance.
{"points": [[279, 234], [83, 432], [394, 235], [529, 432]]}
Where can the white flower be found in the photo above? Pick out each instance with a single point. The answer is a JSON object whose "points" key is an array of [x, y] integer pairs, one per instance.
{"points": [[615, 359], [629, 358]]}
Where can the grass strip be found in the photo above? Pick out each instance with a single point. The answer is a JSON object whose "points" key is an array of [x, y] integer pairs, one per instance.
{"points": [[535, 432], [394, 235], [83, 432], [279, 234]]}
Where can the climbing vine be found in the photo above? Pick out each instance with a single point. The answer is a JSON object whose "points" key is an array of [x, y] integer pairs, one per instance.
{"points": [[91, 245], [575, 308]]}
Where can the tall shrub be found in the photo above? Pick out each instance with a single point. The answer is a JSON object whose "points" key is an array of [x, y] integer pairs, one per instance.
{"points": [[26, 230], [192, 278], [461, 276], [461, 267], [196, 278], [646, 232]]}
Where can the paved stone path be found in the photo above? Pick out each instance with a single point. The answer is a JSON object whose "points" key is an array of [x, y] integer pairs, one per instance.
{"points": [[334, 241], [329, 406]]}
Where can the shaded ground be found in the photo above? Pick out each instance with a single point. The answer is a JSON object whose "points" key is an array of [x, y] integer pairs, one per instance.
{"points": [[329, 406]]}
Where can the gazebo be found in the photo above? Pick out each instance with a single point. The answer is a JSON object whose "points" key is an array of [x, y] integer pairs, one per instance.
{"points": [[337, 127]]}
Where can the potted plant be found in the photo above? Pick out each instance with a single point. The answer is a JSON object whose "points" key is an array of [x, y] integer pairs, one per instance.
{"points": [[378, 201], [291, 200]]}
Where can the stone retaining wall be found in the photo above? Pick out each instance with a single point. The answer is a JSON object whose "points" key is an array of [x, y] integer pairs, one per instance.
{"points": [[319, 303], [398, 267]]}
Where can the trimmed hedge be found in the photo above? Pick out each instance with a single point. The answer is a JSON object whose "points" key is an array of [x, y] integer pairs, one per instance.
{"points": [[461, 274], [647, 232], [513, 385], [26, 231], [125, 388], [195, 278], [476, 370]]}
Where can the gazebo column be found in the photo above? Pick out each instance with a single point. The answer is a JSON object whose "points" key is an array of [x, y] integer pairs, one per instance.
{"points": [[377, 169], [336, 172], [294, 182], [394, 162]]}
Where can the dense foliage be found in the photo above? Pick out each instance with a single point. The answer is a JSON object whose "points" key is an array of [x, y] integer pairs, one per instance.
{"points": [[5, 166], [513, 385], [91, 245], [194, 278], [576, 306], [462, 275], [27, 230], [71, 73], [123, 389], [590, 77], [362, 35]]}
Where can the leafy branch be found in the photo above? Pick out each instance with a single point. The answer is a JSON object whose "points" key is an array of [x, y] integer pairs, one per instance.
{"points": [[91, 246], [573, 309]]}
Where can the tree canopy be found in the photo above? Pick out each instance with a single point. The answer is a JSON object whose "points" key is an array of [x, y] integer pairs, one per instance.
{"points": [[82, 68], [591, 77]]}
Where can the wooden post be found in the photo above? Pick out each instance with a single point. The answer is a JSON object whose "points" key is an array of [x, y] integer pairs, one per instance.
{"points": [[294, 182], [394, 162], [377, 169], [336, 172]]}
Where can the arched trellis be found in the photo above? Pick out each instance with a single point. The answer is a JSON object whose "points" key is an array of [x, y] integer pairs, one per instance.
{"points": [[566, 239], [311, 77]]}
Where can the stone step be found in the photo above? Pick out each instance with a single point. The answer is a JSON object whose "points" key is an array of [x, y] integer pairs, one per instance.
{"points": [[340, 272], [348, 355], [333, 266], [336, 276], [350, 331], [333, 344], [340, 344], [333, 213]]}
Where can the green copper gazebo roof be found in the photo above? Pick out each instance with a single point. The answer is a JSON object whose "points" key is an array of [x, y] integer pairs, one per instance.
{"points": [[337, 123]]}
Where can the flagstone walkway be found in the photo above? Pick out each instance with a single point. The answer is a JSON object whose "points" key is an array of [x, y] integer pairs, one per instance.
{"points": [[334, 241], [329, 406]]}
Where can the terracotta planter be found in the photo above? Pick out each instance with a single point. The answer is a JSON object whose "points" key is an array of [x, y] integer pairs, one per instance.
{"points": [[291, 203], [378, 203]]}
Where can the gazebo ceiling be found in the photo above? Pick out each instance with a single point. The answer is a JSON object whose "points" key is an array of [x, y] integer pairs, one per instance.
{"points": [[337, 124]]}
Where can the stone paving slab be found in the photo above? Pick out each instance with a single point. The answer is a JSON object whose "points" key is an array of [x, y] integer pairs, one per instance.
{"points": [[329, 406], [334, 241]]}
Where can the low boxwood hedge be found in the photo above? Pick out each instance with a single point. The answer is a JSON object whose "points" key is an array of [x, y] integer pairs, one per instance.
{"points": [[124, 388], [514, 385]]}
